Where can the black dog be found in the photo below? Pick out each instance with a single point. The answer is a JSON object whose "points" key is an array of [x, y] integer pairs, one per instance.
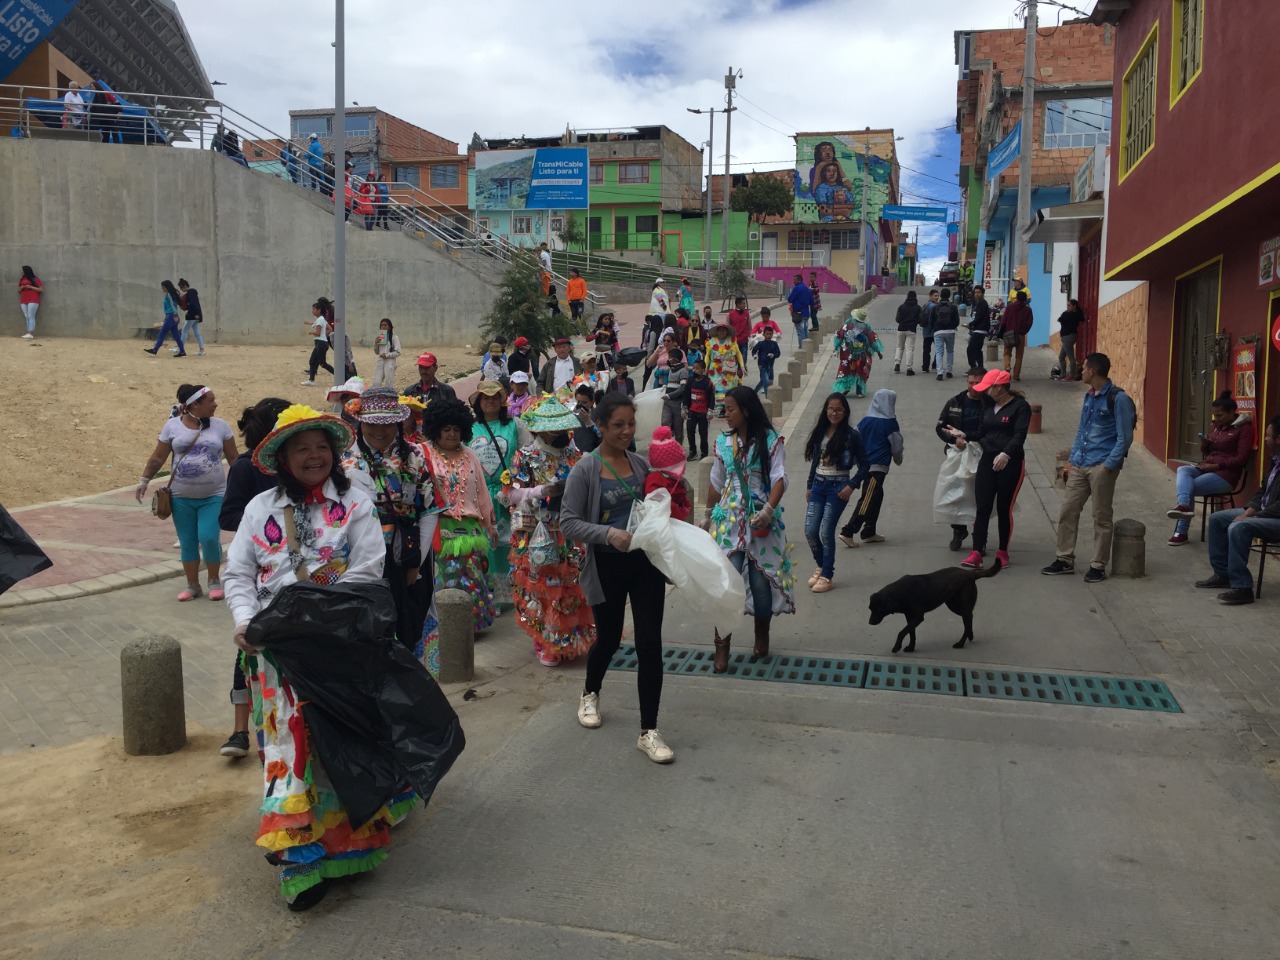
{"points": [[914, 596]]}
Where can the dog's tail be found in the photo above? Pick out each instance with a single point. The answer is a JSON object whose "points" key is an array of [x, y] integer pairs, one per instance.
{"points": [[990, 571]]}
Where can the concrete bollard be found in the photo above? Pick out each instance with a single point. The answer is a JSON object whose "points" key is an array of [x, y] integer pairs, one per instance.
{"points": [[457, 636], [1037, 418], [788, 379], [1129, 549], [151, 697], [992, 353]]}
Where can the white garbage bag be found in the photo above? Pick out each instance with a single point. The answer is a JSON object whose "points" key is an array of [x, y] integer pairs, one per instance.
{"points": [[706, 587], [648, 417], [953, 497]]}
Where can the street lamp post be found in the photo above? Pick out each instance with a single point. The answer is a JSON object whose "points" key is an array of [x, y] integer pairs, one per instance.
{"points": [[730, 84], [711, 159], [339, 199]]}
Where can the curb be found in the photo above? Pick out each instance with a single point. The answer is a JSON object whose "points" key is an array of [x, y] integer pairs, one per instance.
{"points": [[87, 588]]}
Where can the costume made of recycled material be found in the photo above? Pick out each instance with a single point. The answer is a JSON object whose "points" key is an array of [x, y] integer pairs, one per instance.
{"points": [[856, 345], [496, 443], [743, 492], [544, 565], [466, 521], [724, 363]]}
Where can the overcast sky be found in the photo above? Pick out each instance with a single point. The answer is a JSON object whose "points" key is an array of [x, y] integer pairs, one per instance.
{"points": [[504, 68]]}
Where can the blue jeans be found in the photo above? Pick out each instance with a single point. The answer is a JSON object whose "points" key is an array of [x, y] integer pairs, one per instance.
{"points": [[1229, 545], [1194, 482], [761, 593], [802, 329], [822, 517], [197, 524], [170, 327], [766, 378], [190, 328], [944, 341]]}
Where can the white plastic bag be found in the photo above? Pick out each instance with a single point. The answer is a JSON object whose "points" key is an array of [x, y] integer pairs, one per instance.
{"points": [[953, 496], [707, 589], [648, 416]]}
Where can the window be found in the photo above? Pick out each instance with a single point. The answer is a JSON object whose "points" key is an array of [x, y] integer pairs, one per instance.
{"points": [[845, 240], [633, 173], [597, 173], [304, 127], [444, 176], [360, 125], [1138, 135], [522, 225], [483, 223], [647, 224], [407, 175], [361, 164], [1072, 124], [557, 225], [1188, 45]]}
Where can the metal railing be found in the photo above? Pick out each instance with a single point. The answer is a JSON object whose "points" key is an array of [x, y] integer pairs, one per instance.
{"points": [[750, 259]]}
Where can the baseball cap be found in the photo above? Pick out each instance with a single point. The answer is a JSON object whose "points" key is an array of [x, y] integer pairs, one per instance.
{"points": [[427, 359], [991, 379], [562, 340], [519, 377], [522, 342]]}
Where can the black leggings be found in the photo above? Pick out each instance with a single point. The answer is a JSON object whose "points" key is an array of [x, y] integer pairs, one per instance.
{"points": [[867, 513], [624, 575], [698, 422], [318, 353], [977, 342], [998, 489]]}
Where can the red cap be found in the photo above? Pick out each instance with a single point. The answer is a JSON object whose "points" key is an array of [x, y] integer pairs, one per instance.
{"points": [[521, 342], [427, 359], [991, 379]]}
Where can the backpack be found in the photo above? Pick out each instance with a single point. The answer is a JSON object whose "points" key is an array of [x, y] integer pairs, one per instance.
{"points": [[1111, 409]]}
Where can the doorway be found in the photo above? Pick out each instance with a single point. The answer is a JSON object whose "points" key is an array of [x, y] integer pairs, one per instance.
{"points": [[1269, 400], [1090, 262], [768, 250], [1195, 335]]}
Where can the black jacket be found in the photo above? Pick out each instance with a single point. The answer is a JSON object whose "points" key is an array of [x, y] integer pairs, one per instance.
{"points": [[1004, 430], [964, 412], [909, 316], [945, 317], [1266, 502], [980, 317], [244, 482], [192, 298]]}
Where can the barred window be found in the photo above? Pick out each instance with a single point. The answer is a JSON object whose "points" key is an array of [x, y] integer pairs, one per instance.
{"points": [[1139, 106]]}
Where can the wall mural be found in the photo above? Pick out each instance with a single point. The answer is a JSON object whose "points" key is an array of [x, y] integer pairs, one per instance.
{"points": [[829, 177]]}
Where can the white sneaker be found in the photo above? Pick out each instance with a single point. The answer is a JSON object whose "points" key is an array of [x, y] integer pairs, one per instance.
{"points": [[653, 746], [177, 544], [200, 354], [308, 383], [28, 336], [173, 350], [589, 710]]}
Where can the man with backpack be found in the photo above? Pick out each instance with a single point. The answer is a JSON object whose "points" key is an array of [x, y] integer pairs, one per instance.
{"points": [[1102, 442], [946, 321]]}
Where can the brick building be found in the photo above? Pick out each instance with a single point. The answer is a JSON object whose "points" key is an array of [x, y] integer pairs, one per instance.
{"points": [[1072, 117], [1194, 211]]}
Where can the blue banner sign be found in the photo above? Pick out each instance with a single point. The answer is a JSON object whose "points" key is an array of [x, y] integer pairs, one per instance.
{"points": [[559, 180], [23, 26], [933, 214], [953, 228], [1005, 152]]}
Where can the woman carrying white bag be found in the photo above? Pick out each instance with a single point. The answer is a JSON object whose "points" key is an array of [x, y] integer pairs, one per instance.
{"points": [[954, 501]]}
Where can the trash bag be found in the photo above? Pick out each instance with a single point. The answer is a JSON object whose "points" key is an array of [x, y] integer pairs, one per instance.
{"points": [[375, 717], [953, 496], [707, 587], [20, 556], [632, 357], [648, 416]]}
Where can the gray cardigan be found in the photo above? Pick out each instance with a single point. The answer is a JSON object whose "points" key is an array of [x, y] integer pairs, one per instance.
{"points": [[579, 509]]}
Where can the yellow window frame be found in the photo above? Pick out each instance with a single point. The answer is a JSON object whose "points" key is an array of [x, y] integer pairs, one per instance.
{"points": [[1175, 60], [1129, 164]]}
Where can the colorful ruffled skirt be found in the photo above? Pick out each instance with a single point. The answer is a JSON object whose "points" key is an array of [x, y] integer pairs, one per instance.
{"points": [[462, 563], [303, 827], [549, 602]]}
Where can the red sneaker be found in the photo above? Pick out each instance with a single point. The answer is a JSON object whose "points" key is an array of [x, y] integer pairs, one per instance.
{"points": [[973, 561]]}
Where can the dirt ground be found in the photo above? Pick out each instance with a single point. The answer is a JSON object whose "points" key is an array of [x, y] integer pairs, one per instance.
{"points": [[82, 416]]}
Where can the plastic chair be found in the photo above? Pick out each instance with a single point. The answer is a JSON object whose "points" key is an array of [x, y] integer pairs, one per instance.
{"points": [[1213, 502]]}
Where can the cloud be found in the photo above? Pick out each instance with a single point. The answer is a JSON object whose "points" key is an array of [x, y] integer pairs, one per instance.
{"points": [[505, 68]]}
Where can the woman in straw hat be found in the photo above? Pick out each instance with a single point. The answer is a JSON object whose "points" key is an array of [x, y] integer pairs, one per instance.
{"points": [[724, 360], [313, 525], [495, 440], [395, 475], [466, 521], [544, 565]]}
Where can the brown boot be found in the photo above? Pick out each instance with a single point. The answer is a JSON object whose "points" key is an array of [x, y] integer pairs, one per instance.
{"points": [[720, 664], [761, 648]]}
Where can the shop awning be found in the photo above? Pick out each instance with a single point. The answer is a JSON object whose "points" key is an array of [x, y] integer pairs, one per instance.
{"points": [[1066, 223]]}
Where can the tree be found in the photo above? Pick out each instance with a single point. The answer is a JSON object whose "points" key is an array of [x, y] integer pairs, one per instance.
{"points": [[731, 279], [763, 196], [572, 234], [520, 309]]}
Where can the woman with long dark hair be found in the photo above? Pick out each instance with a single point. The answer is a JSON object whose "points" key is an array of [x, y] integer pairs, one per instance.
{"points": [[596, 511], [170, 326], [321, 324], [833, 449], [189, 300], [495, 440], [744, 514], [1002, 433], [30, 289]]}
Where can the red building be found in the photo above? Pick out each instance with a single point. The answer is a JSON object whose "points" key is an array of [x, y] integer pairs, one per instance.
{"points": [[1194, 208]]}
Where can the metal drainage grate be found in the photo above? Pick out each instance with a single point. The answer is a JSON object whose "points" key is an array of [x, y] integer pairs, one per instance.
{"points": [[916, 677], [1017, 685], [1121, 692]]}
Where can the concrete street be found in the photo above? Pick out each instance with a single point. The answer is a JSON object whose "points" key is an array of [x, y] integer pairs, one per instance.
{"points": [[798, 821]]}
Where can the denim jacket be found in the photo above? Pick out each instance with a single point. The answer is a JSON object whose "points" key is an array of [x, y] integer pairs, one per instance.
{"points": [[853, 454], [1103, 437]]}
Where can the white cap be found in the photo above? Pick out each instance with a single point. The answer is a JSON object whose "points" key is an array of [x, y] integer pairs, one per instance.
{"points": [[519, 377], [355, 385], [314, 137], [659, 280]]}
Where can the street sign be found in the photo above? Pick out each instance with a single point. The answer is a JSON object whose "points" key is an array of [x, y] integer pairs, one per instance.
{"points": [[898, 212], [1005, 152]]}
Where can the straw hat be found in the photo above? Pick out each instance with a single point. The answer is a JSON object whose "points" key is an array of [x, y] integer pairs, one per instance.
{"points": [[487, 388], [413, 403], [549, 415], [296, 419]]}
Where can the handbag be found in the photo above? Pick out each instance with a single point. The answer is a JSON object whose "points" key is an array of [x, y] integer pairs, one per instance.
{"points": [[162, 499], [1010, 338]]}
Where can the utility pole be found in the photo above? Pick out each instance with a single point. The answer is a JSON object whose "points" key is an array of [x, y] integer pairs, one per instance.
{"points": [[711, 168], [730, 83], [1023, 220], [862, 224], [339, 199]]}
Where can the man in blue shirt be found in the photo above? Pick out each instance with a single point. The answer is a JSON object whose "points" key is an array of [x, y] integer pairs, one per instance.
{"points": [[1102, 442], [801, 300], [315, 162]]}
